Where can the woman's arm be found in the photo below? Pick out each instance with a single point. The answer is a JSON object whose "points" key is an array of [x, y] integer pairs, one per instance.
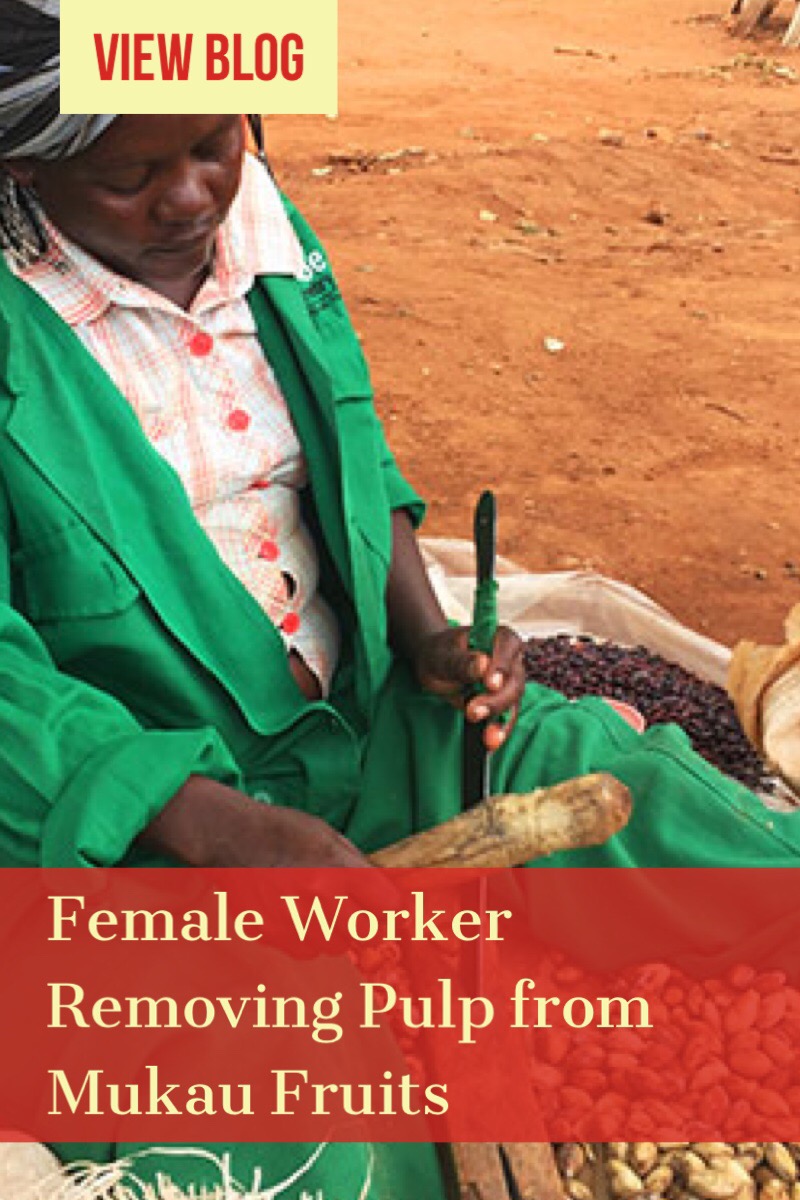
{"points": [[207, 824], [413, 609]]}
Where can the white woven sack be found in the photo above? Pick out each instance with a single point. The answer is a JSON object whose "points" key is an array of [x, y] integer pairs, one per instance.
{"points": [[574, 602]]}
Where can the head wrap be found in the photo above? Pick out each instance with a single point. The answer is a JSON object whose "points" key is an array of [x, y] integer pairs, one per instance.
{"points": [[30, 71], [30, 123]]}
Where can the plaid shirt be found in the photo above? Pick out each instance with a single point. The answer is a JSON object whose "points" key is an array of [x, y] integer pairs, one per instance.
{"points": [[210, 404]]}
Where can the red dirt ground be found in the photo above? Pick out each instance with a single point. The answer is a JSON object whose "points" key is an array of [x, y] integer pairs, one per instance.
{"points": [[620, 175]]}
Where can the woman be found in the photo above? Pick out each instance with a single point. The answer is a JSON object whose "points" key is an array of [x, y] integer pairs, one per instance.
{"points": [[218, 645]]}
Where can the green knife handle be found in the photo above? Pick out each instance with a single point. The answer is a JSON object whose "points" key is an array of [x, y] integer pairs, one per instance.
{"points": [[484, 617]]}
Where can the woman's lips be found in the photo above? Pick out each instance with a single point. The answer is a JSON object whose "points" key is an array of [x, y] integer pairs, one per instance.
{"points": [[177, 245]]}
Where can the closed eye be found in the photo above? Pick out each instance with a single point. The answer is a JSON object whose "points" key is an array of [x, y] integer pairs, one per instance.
{"points": [[220, 144], [126, 183]]}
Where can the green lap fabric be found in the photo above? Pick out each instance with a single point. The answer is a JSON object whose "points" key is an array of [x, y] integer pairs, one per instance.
{"points": [[686, 814]]}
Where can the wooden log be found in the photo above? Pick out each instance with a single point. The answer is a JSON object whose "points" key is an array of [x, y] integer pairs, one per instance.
{"points": [[532, 1166], [506, 831], [479, 1172]]}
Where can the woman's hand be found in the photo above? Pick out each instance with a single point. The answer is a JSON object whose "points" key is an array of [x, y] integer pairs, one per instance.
{"points": [[446, 666], [440, 654], [207, 824]]}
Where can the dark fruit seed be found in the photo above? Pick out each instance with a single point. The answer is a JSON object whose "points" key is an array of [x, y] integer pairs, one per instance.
{"points": [[661, 690]]}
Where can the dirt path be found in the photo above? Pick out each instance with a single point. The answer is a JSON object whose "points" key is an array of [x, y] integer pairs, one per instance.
{"points": [[618, 175]]}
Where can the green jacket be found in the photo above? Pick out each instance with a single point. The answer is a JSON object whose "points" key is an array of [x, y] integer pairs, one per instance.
{"points": [[130, 656]]}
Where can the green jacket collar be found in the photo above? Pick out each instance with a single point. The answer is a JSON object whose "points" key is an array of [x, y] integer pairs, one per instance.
{"points": [[67, 417]]}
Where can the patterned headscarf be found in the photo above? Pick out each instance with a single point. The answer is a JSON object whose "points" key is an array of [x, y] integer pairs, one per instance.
{"points": [[30, 123]]}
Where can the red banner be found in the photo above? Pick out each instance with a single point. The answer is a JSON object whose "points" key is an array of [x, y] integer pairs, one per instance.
{"points": [[530, 1005]]}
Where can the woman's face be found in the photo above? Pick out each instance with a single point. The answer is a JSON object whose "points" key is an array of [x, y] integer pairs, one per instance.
{"points": [[148, 196]]}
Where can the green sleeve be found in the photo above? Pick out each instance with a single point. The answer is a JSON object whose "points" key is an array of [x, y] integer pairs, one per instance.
{"points": [[79, 777], [328, 309]]}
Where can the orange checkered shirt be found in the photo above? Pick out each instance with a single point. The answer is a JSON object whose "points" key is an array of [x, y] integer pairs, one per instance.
{"points": [[209, 402]]}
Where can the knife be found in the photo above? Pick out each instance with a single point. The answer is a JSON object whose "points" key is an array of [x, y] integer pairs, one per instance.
{"points": [[475, 756], [475, 785]]}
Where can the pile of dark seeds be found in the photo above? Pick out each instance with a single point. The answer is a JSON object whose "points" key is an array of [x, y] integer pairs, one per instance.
{"points": [[661, 690]]}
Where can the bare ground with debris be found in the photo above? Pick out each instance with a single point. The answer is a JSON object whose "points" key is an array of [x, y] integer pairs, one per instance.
{"points": [[569, 235]]}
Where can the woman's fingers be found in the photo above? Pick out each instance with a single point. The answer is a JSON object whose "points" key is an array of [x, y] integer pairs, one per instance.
{"points": [[448, 668], [504, 682], [495, 734]]}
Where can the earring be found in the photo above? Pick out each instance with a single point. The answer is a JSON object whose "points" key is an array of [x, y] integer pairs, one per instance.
{"points": [[21, 231]]}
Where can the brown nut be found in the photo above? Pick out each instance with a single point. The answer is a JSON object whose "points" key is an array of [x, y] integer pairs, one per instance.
{"points": [[709, 1150], [713, 1184], [578, 1191], [642, 1156], [623, 1180], [658, 1180], [779, 1158]]}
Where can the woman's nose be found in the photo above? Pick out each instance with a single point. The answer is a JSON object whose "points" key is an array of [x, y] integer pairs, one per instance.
{"points": [[185, 196]]}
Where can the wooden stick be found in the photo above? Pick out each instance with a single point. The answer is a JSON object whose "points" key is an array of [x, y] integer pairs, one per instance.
{"points": [[509, 1171], [479, 1171], [506, 831], [532, 1166]]}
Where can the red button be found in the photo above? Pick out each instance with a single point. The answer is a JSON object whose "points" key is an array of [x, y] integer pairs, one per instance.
{"points": [[201, 344], [290, 623], [260, 485], [238, 420], [268, 550]]}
